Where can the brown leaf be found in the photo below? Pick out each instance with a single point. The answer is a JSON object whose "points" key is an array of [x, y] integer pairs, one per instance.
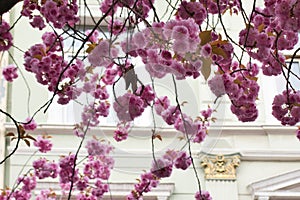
{"points": [[206, 67], [10, 134], [181, 138], [91, 47], [21, 130], [90, 70], [248, 26], [183, 103], [157, 136], [38, 56], [27, 142], [218, 42], [260, 28], [205, 37], [30, 137], [219, 51], [237, 81], [213, 119], [253, 78], [271, 34], [95, 137]]}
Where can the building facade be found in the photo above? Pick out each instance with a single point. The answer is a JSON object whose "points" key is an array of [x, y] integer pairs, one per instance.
{"points": [[237, 161]]}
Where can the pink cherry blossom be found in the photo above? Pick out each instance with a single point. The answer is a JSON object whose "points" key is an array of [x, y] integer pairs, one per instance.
{"points": [[128, 107], [44, 168], [10, 73], [122, 131], [30, 124], [5, 36], [162, 168], [204, 196]]}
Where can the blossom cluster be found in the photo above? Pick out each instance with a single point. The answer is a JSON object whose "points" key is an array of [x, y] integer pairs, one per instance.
{"points": [[97, 167], [46, 194], [215, 7], [47, 65], [140, 8], [195, 10], [129, 106], [147, 182], [204, 195], [26, 183], [197, 129], [103, 54], [241, 87], [161, 168], [285, 107], [153, 44], [43, 143], [29, 124], [44, 168], [5, 36], [273, 28], [68, 173], [59, 13], [122, 131], [10, 73]]}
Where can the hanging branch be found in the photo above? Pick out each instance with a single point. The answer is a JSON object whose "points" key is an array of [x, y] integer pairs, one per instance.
{"points": [[18, 138]]}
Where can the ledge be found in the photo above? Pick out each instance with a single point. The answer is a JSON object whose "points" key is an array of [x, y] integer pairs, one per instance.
{"points": [[276, 187], [117, 190], [214, 130]]}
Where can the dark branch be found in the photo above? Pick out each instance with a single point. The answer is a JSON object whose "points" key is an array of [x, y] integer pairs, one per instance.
{"points": [[6, 5]]}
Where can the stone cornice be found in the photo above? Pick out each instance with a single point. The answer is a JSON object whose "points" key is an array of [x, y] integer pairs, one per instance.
{"points": [[213, 130]]}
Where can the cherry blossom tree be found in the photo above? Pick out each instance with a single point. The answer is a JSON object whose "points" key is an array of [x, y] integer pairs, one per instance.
{"points": [[188, 41]]}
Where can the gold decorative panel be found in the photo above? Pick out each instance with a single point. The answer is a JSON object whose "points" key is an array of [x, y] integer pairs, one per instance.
{"points": [[220, 167]]}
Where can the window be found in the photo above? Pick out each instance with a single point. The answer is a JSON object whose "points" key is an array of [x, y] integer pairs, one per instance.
{"points": [[71, 113]]}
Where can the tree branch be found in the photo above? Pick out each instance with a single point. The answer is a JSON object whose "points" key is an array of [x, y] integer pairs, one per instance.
{"points": [[6, 5]]}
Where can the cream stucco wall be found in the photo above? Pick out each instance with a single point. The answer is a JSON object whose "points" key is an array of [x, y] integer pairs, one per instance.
{"points": [[264, 151]]}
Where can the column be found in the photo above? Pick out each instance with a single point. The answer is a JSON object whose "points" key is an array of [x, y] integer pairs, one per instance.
{"points": [[3, 98], [220, 176]]}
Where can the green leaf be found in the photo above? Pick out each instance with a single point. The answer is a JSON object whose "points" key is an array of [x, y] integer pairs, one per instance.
{"points": [[206, 67]]}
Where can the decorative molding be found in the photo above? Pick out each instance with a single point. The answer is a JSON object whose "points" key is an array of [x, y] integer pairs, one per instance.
{"points": [[258, 154], [60, 129], [238, 129], [284, 186], [220, 167], [163, 191]]}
